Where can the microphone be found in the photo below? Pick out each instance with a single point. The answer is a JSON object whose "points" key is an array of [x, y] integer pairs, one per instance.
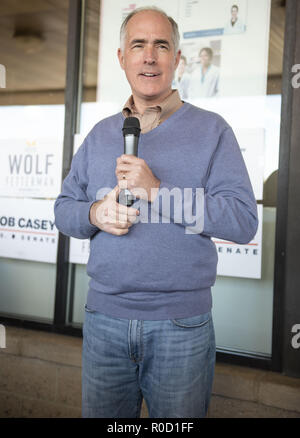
{"points": [[131, 133]]}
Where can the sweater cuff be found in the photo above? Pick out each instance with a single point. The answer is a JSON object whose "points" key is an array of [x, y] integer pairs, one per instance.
{"points": [[86, 228]]}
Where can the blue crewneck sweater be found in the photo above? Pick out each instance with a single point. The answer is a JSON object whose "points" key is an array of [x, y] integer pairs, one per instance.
{"points": [[160, 270]]}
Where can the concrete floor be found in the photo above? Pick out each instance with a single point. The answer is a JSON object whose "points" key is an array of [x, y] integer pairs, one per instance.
{"points": [[40, 376], [222, 407]]}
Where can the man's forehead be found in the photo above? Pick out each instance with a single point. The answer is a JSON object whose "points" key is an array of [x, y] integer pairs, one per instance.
{"points": [[149, 23]]}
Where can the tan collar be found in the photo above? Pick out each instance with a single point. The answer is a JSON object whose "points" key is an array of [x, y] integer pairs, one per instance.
{"points": [[155, 115]]}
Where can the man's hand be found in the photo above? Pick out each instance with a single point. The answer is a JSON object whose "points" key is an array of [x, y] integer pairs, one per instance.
{"points": [[139, 178], [110, 216]]}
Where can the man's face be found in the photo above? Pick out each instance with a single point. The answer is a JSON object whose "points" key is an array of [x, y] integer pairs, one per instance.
{"points": [[148, 59]]}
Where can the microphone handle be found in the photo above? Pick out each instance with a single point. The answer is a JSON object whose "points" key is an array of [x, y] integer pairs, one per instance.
{"points": [[130, 148], [131, 144], [126, 198]]}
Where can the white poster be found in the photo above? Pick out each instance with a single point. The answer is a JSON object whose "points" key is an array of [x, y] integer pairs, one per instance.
{"points": [[252, 144], [241, 260], [216, 17], [224, 48], [27, 229], [30, 167], [79, 250]]}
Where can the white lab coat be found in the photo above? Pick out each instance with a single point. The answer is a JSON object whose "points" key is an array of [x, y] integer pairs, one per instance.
{"points": [[182, 85], [204, 85], [238, 27]]}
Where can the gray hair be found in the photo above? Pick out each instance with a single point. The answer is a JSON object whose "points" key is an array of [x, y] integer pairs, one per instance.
{"points": [[175, 31]]}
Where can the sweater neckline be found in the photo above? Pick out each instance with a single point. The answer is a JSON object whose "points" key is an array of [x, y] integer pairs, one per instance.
{"points": [[164, 125]]}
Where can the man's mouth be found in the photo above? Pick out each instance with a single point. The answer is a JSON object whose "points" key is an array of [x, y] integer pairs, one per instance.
{"points": [[150, 75]]}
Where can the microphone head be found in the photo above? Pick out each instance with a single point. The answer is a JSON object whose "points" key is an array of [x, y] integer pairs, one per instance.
{"points": [[131, 126]]}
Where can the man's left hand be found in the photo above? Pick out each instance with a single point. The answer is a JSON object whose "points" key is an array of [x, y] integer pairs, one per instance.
{"points": [[134, 174]]}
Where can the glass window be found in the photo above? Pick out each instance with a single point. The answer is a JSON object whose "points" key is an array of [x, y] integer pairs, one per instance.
{"points": [[33, 52], [89, 116]]}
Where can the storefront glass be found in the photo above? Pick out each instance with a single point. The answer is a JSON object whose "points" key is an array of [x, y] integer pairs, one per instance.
{"points": [[33, 51]]}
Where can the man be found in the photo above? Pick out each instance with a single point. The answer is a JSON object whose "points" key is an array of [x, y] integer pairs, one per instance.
{"points": [[204, 80], [148, 331]]}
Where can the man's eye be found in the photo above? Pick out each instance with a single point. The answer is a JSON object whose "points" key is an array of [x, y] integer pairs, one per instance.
{"points": [[137, 46], [162, 46]]}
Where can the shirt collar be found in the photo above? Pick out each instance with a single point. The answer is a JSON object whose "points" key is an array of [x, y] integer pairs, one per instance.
{"points": [[165, 108]]}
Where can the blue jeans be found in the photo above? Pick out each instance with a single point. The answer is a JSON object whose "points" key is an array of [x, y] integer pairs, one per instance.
{"points": [[169, 363]]}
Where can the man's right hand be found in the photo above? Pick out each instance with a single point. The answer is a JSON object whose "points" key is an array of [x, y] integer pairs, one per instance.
{"points": [[110, 216]]}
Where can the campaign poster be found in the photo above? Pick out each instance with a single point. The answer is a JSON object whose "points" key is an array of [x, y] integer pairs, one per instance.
{"points": [[30, 167], [27, 229], [236, 260]]}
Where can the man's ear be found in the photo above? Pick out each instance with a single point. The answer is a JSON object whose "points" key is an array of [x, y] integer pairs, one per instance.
{"points": [[121, 58], [177, 58]]}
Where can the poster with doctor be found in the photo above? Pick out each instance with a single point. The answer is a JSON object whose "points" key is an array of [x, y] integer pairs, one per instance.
{"points": [[224, 42], [224, 46]]}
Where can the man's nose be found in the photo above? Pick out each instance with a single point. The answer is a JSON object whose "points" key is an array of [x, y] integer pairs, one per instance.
{"points": [[149, 55]]}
